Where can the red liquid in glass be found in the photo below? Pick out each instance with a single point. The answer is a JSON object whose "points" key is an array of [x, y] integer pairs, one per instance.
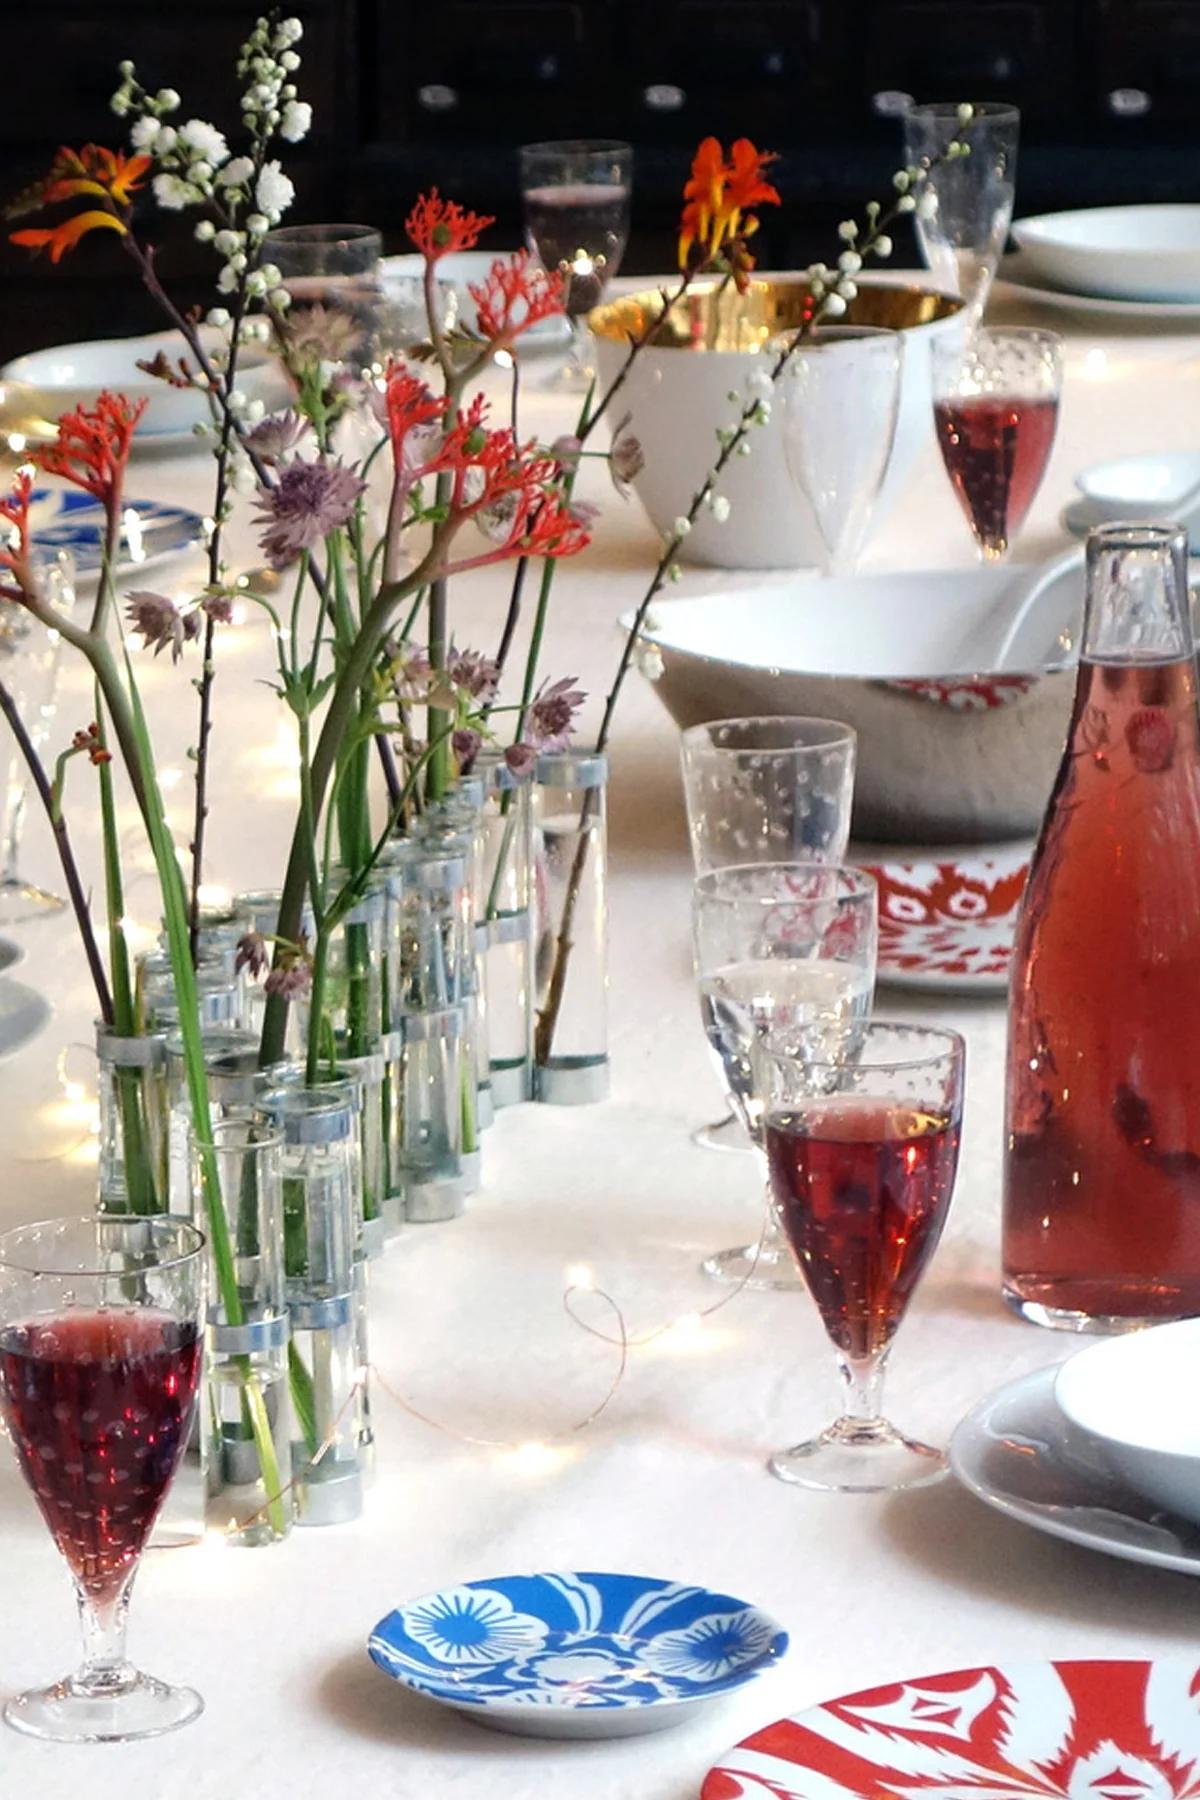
{"points": [[862, 1190], [99, 1405], [995, 452], [1102, 1179]]}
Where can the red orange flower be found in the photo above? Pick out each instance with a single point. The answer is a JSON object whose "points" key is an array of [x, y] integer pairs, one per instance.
{"points": [[14, 529], [437, 227], [515, 296], [93, 446], [718, 196], [410, 407], [94, 171]]}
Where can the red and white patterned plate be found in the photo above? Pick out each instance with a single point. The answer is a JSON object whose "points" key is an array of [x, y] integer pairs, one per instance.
{"points": [[947, 918], [1023, 1731]]}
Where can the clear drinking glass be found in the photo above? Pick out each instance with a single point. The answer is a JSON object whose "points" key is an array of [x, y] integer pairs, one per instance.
{"points": [[965, 206], [30, 656], [332, 275], [784, 951], [862, 1153], [576, 195], [995, 408], [765, 790], [101, 1325], [840, 397]]}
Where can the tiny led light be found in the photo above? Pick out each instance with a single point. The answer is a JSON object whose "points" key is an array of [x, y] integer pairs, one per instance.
{"points": [[579, 1275], [503, 359]]}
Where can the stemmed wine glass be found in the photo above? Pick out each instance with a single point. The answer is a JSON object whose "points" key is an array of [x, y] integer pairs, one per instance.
{"points": [[30, 656], [576, 195], [784, 951], [765, 790], [995, 407], [840, 395], [332, 275], [100, 1347], [964, 207], [862, 1153]]}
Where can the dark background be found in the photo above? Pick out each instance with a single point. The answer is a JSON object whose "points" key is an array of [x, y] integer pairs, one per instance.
{"points": [[407, 94]]}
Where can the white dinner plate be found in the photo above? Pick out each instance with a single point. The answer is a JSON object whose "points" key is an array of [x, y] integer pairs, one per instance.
{"points": [[23, 1014], [1118, 252], [1018, 279], [1017, 1452]]}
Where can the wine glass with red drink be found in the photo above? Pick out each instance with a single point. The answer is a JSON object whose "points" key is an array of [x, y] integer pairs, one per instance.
{"points": [[862, 1155], [576, 194], [995, 408], [101, 1323]]}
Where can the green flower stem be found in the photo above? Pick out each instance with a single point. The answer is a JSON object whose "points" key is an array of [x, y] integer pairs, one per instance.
{"points": [[438, 779]]}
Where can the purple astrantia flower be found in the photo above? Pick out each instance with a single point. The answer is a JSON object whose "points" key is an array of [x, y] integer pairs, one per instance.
{"points": [[159, 622], [550, 720], [466, 745], [275, 435], [626, 460], [326, 334], [218, 608], [521, 759], [252, 954], [291, 977], [310, 500], [566, 450], [476, 674], [411, 671]]}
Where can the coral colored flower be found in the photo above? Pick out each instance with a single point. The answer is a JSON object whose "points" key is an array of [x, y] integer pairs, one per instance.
{"points": [[14, 523], [64, 237], [438, 227], [93, 446], [718, 196], [409, 407], [515, 295]]}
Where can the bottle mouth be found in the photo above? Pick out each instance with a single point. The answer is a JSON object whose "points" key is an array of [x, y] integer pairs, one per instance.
{"points": [[1137, 534]]}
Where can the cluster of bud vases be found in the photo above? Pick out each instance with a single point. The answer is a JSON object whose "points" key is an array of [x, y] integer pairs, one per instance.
{"points": [[437, 983]]}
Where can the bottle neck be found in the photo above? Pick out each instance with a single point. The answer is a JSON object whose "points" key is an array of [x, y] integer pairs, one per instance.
{"points": [[1138, 606]]}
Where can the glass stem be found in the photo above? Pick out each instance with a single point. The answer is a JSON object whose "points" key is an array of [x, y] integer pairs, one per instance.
{"points": [[862, 1393], [105, 1669], [580, 344]]}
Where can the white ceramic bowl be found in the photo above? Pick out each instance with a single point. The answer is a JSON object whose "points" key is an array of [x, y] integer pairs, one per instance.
{"points": [[678, 395], [1133, 1396], [58, 380], [1119, 252], [1144, 487], [945, 754]]}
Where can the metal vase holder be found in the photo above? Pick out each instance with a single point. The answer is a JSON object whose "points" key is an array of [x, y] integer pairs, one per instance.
{"points": [[504, 920], [571, 945], [321, 1210], [246, 1364]]}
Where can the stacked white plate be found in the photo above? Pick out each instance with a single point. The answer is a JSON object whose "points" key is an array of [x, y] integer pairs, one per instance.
{"points": [[1124, 261]]}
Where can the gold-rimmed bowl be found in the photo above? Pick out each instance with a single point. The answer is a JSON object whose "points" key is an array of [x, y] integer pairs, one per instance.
{"points": [[706, 347]]}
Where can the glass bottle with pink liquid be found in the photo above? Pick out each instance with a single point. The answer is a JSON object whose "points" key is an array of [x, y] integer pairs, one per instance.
{"points": [[1102, 1161]]}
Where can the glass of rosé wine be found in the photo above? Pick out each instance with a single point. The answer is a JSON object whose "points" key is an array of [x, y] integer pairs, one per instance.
{"points": [[101, 1323], [862, 1154], [995, 409], [576, 193]]}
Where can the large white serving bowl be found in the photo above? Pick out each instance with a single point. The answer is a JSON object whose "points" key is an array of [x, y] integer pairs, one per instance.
{"points": [[1133, 1396], [55, 381], [678, 396], [946, 754], [1119, 252]]}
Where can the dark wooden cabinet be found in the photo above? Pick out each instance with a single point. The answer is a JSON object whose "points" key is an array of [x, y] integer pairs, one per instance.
{"points": [[406, 94]]}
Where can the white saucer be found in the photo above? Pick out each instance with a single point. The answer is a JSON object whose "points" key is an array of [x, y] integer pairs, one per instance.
{"points": [[1017, 1452], [1016, 278]]}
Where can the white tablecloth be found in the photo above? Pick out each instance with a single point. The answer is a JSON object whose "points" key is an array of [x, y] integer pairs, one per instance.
{"points": [[468, 1318]]}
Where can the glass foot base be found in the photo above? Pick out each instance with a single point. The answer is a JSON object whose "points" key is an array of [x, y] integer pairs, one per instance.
{"points": [[21, 900], [852, 1458], [723, 1134], [768, 1265], [1066, 1318], [134, 1706]]}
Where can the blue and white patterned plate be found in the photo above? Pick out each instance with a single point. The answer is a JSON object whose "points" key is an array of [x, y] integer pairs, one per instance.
{"points": [[576, 1655], [67, 519]]}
